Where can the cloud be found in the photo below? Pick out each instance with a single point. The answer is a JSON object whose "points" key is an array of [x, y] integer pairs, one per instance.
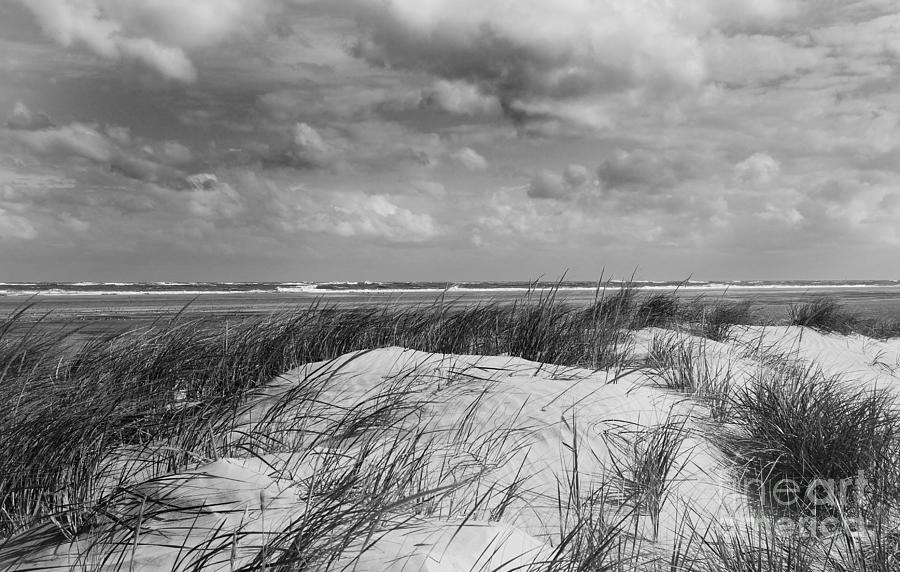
{"points": [[341, 102], [307, 149], [548, 54], [112, 148], [546, 184], [202, 181], [342, 147], [757, 169], [461, 98], [432, 189], [177, 153], [576, 175], [211, 200], [354, 215], [646, 169], [348, 214], [757, 59], [15, 227], [471, 159], [23, 119], [155, 34], [76, 139]]}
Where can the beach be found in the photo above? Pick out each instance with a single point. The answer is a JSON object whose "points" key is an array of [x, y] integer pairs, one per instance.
{"points": [[449, 286], [627, 429]]}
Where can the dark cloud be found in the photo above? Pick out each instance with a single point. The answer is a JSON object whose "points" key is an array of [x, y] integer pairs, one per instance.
{"points": [[644, 169], [540, 58], [111, 148], [546, 184]]}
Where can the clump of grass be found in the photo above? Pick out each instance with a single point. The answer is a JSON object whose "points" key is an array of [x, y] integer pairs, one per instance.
{"points": [[646, 466], [657, 310], [884, 329], [718, 320], [822, 313], [794, 424], [681, 364]]}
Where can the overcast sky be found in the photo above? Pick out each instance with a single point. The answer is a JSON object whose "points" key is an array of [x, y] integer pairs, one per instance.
{"points": [[448, 139]]}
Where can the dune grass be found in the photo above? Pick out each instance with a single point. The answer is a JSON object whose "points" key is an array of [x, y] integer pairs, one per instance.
{"points": [[822, 313], [171, 393], [173, 381], [717, 321], [836, 445]]}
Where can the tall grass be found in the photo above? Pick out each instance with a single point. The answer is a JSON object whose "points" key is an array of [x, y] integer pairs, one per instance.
{"points": [[682, 364], [822, 313], [794, 424], [718, 320], [65, 410], [86, 427], [646, 465]]}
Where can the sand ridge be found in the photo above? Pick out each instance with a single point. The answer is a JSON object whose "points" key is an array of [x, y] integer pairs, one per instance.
{"points": [[501, 433]]}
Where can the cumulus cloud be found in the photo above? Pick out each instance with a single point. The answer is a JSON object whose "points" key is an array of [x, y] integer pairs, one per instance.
{"points": [[547, 184], [112, 148], [757, 169], [306, 147], [348, 214], [460, 97], [202, 181], [360, 216], [543, 54], [76, 139], [471, 159], [643, 169], [344, 147], [155, 34], [296, 209], [576, 175], [211, 200]]}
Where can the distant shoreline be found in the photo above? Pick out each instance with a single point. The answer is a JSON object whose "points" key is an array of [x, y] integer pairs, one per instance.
{"points": [[46, 289]]}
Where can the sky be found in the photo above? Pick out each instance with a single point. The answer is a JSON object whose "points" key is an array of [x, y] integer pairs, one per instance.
{"points": [[290, 140]]}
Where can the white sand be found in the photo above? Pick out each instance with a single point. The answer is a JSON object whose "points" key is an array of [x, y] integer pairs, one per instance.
{"points": [[501, 430]]}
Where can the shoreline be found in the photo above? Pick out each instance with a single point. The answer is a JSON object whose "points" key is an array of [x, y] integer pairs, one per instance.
{"points": [[869, 302]]}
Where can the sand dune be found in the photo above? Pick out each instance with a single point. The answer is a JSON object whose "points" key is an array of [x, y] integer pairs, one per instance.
{"points": [[497, 441]]}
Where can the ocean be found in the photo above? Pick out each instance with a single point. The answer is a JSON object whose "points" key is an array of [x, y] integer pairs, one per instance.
{"points": [[46, 289]]}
